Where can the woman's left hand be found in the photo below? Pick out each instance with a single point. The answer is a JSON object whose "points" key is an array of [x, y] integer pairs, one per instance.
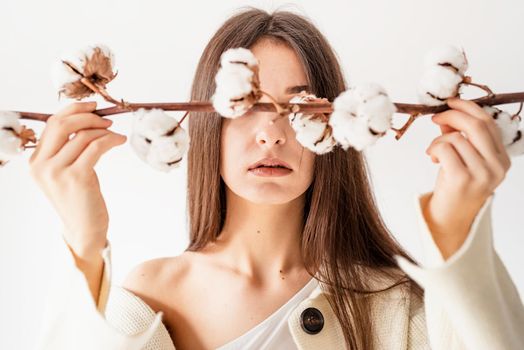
{"points": [[472, 166]]}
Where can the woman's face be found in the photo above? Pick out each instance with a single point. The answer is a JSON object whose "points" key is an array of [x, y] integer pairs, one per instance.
{"points": [[251, 137]]}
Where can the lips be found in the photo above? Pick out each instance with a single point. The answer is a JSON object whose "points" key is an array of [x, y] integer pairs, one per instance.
{"points": [[270, 162]]}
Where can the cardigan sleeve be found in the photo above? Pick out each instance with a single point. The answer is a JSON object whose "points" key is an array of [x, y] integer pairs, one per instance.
{"points": [[470, 301], [72, 320]]}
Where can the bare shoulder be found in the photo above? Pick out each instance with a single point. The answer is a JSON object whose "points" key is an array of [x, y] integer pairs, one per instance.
{"points": [[150, 279]]}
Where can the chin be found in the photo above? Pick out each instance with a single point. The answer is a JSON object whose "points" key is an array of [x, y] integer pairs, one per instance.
{"points": [[270, 194]]}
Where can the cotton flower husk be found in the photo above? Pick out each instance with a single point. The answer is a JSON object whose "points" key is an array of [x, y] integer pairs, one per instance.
{"points": [[312, 130], [158, 139], [95, 63]]}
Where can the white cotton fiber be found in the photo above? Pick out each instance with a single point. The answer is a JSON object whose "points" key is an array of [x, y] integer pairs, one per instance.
{"points": [[438, 84], [10, 141], [311, 131], [361, 115], [236, 83], [239, 54], [447, 54], [153, 140]]}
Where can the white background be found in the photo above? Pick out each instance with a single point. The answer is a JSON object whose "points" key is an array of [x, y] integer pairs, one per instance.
{"points": [[157, 46]]}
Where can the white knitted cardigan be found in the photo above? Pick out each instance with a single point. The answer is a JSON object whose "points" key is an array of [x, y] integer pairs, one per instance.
{"points": [[470, 302]]}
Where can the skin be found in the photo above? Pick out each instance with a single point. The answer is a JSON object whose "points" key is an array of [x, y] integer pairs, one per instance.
{"points": [[473, 162], [62, 165]]}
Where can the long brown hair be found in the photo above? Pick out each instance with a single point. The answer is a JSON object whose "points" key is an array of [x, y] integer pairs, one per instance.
{"points": [[343, 229]]}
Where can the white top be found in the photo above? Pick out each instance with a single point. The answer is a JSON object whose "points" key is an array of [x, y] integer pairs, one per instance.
{"points": [[273, 332]]}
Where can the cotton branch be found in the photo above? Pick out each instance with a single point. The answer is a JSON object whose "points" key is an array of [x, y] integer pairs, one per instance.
{"points": [[203, 106]]}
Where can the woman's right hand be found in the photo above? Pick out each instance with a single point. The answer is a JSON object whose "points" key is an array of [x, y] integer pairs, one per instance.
{"points": [[63, 168]]}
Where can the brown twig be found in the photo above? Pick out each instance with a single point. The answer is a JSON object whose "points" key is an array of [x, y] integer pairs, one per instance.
{"points": [[205, 106], [402, 130], [102, 92], [467, 80]]}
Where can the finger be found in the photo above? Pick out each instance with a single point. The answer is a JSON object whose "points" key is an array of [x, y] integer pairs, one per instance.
{"points": [[95, 149], [57, 133], [75, 108], [476, 132], [446, 129], [469, 156], [74, 147], [448, 157], [473, 109]]}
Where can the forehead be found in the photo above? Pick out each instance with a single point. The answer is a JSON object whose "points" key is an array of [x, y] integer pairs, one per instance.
{"points": [[279, 65]]}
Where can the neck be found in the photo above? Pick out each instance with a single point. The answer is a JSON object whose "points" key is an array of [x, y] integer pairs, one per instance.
{"points": [[262, 241]]}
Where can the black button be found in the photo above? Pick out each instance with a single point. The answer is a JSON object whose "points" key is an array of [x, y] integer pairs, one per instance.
{"points": [[311, 320]]}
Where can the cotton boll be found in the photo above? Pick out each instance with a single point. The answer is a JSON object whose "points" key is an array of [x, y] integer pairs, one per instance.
{"points": [[234, 94], [507, 125], [153, 123], [356, 134], [512, 136], [447, 55], [166, 152], [438, 84], [312, 131], [361, 115], [147, 126], [10, 141], [158, 139], [380, 110], [238, 55], [95, 63]]}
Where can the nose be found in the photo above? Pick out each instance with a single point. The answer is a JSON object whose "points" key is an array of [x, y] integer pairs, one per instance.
{"points": [[270, 133]]}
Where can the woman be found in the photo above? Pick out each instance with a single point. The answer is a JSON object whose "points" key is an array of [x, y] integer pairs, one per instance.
{"points": [[301, 260]]}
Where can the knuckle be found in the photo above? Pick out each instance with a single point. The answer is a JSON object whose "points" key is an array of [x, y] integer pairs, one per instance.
{"points": [[456, 136], [484, 177], [52, 119], [442, 146], [98, 144], [75, 174], [478, 125], [463, 178], [84, 135], [75, 106], [49, 173]]}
